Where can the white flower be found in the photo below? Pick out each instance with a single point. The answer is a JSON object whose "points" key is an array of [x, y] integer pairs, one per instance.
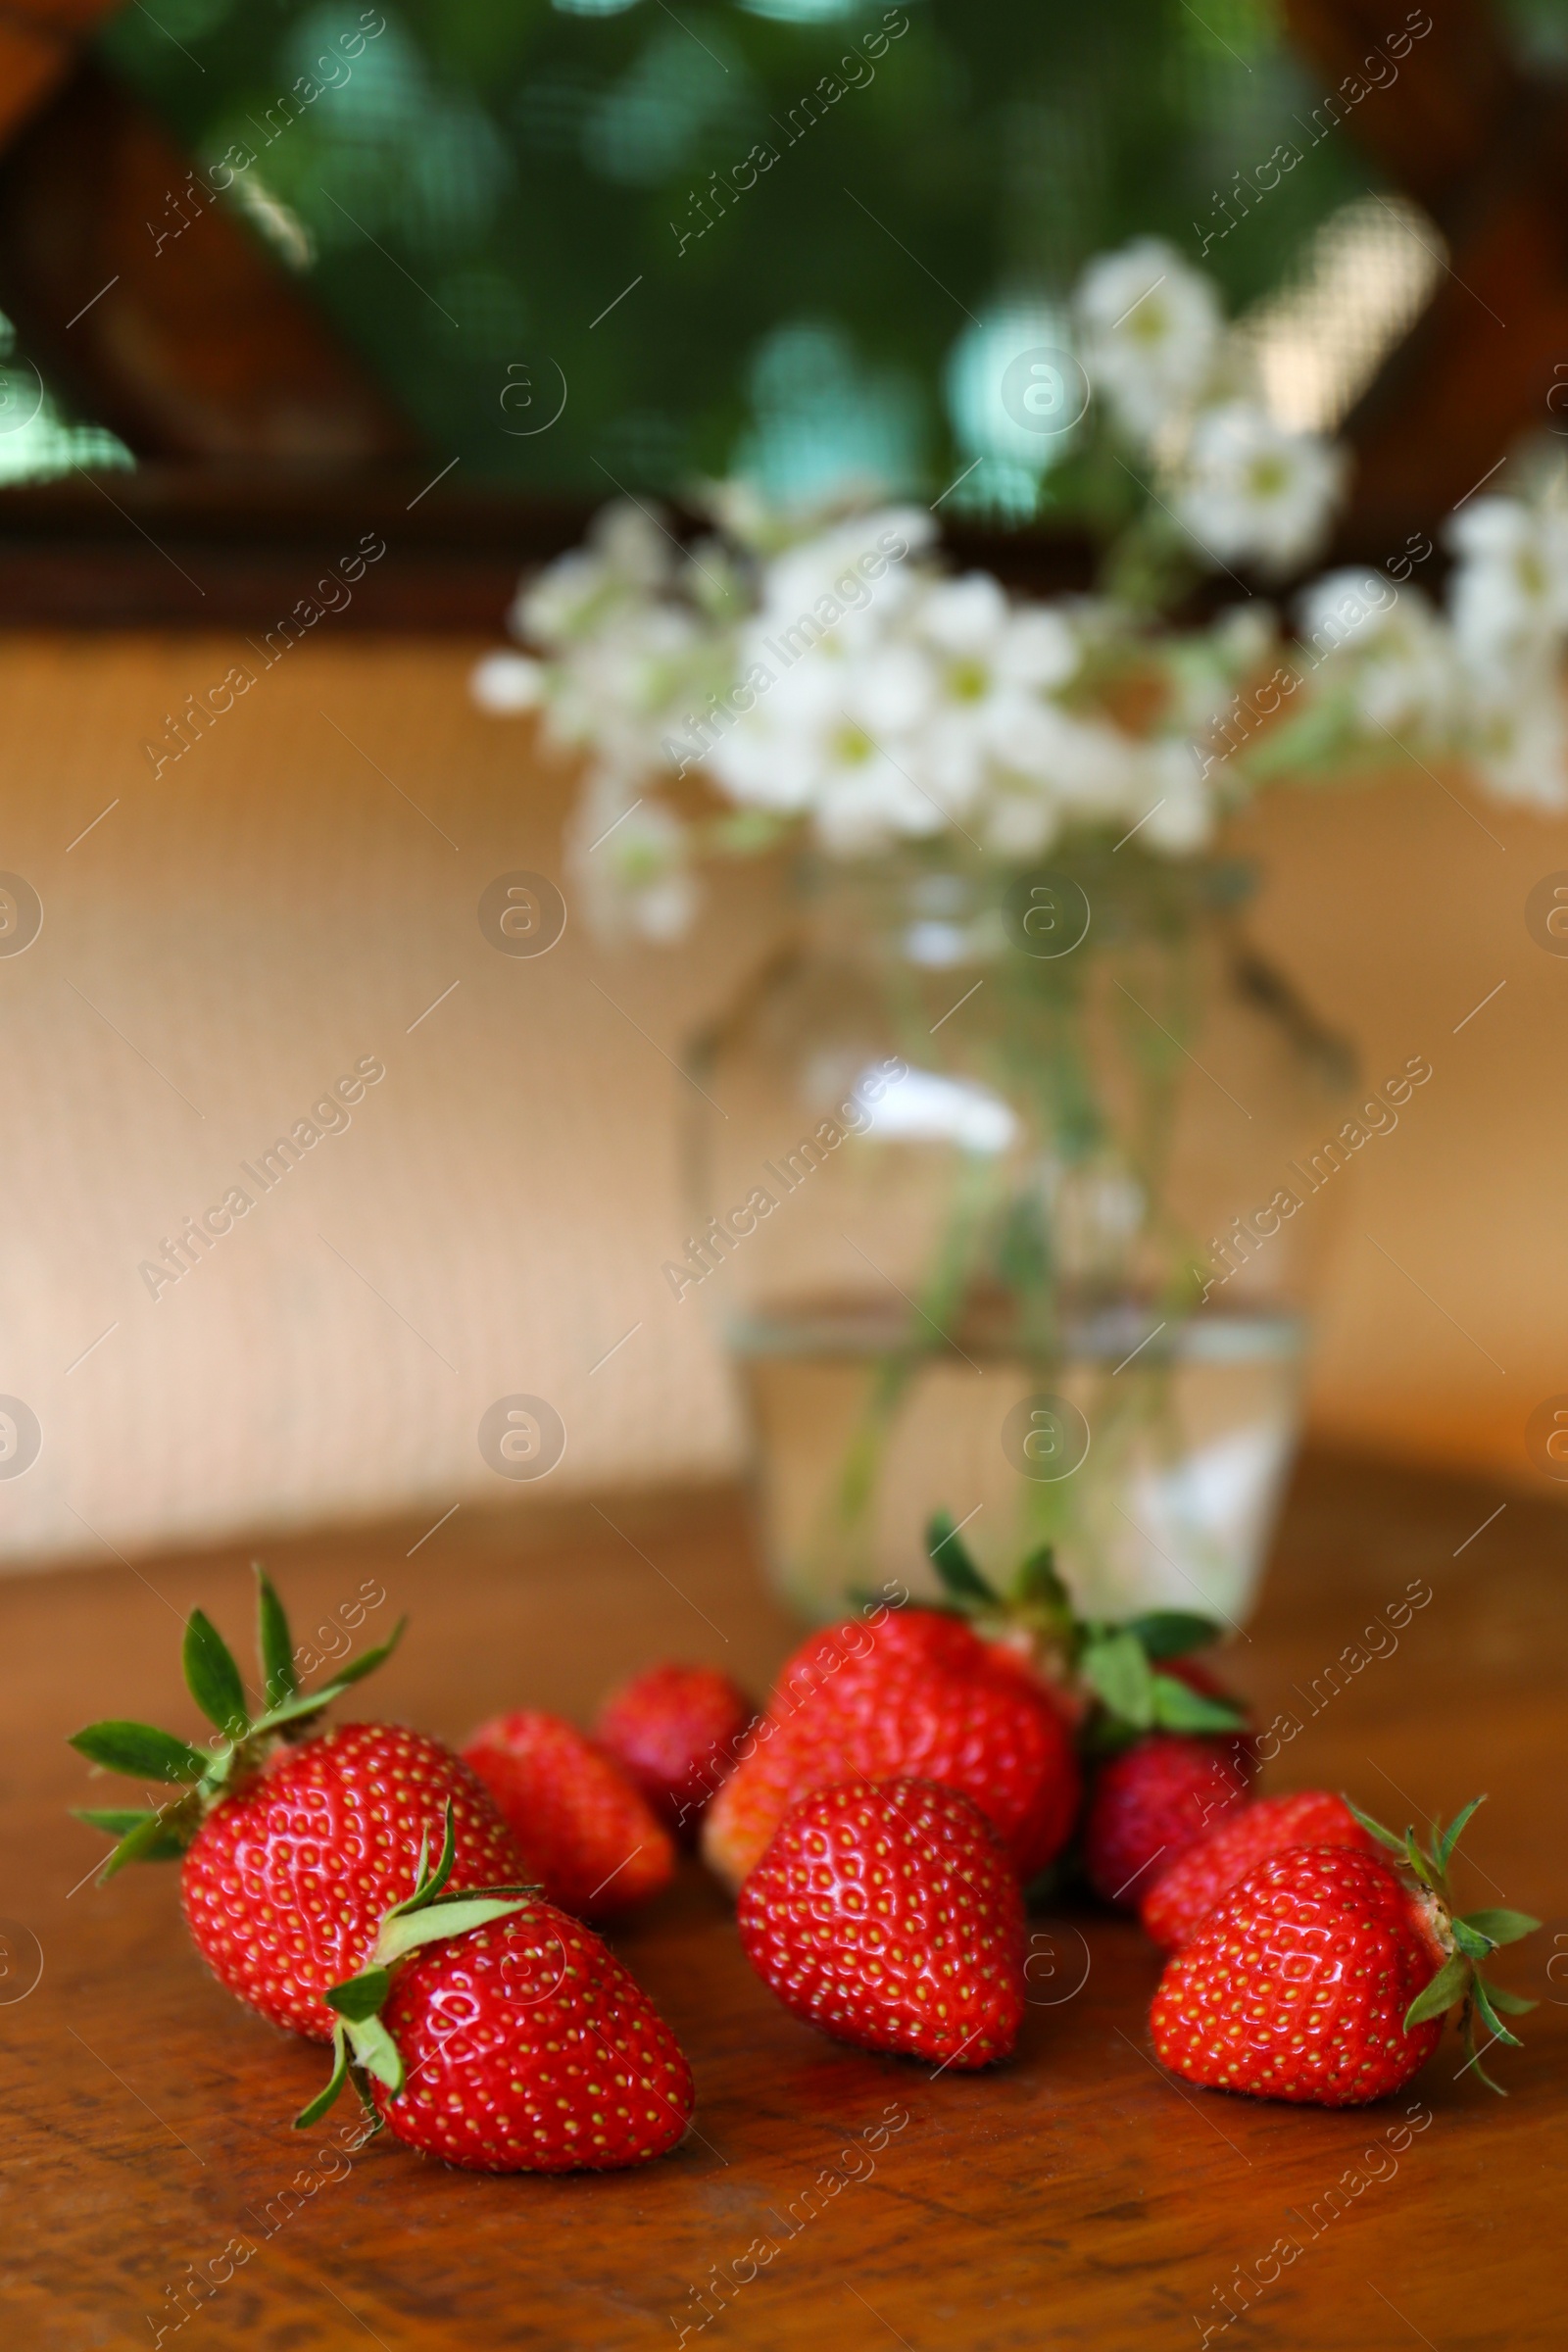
{"points": [[1253, 492], [1089, 766], [1386, 646], [1150, 329], [984, 663], [1520, 741], [964, 618], [1510, 586], [628, 557], [1345, 609], [833, 733], [632, 684], [838, 575], [866, 800], [506, 683], [825, 741], [995, 644]]}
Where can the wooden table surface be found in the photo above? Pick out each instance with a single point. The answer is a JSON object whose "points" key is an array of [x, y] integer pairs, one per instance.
{"points": [[1077, 2196]]}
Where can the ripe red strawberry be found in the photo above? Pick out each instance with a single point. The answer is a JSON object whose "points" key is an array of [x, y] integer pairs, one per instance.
{"points": [[907, 1695], [1179, 1747], [1323, 1974], [501, 2034], [1112, 1678], [1153, 1801], [293, 1846], [885, 1913], [1183, 1895], [674, 1729], [285, 1882], [588, 1833]]}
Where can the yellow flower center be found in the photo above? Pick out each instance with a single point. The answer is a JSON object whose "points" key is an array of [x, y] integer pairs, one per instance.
{"points": [[1268, 477]]}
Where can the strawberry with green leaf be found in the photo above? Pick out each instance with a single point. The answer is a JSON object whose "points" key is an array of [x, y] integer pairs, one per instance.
{"points": [[907, 1694], [497, 2032], [293, 1842], [1171, 1749], [1469, 1940], [1117, 1677], [1323, 1976]]}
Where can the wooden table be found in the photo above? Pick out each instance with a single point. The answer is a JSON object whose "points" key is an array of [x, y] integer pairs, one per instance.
{"points": [[1077, 2196]]}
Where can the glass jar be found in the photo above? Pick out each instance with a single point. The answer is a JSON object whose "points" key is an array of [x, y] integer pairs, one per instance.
{"points": [[1004, 1193]]}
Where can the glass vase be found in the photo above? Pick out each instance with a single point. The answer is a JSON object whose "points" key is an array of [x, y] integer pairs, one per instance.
{"points": [[1010, 1192]]}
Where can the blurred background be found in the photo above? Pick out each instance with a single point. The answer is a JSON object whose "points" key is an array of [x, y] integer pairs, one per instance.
{"points": [[295, 289]]}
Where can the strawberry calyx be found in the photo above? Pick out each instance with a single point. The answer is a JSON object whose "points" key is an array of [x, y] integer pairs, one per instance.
{"points": [[1108, 1674], [362, 2047], [1469, 1940], [205, 1777]]}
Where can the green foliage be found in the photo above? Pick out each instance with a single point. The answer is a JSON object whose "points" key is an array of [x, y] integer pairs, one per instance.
{"points": [[362, 2047], [952, 1561], [484, 180], [273, 1643], [212, 1679], [362, 1996], [1178, 1707], [1116, 1668], [139, 1751], [140, 1836], [1502, 1926], [1117, 1662], [1459, 1982], [1440, 1997], [1172, 1633], [144, 1753]]}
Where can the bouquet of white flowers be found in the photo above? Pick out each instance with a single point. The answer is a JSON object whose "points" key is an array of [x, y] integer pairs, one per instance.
{"points": [[822, 672]]}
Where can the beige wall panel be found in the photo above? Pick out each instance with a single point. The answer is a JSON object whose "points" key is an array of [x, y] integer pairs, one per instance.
{"points": [[296, 892]]}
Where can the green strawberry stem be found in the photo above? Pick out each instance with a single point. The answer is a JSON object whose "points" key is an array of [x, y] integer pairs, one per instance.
{"points": [[1117, 1665], [362, 2047], [205, 1776], [1470, 1940]]}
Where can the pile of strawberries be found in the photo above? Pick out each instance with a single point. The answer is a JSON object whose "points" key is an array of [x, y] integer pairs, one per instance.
{"points": [[917, 1777]]}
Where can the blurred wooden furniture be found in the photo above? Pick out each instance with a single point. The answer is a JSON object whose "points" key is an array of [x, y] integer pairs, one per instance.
{"points": [[1479, 143], [39, 41], [146, 299], [1075, 2197]]}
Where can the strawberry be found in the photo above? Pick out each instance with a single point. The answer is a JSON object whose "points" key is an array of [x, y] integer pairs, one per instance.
{"points": [[498, 2034], [1185, 1893], [887, 1912], [907, 1695], [1134, 1694], [1111, 1679], [293, 1846], [672, 1730], [1324, 1974], [1153, 1801], [588, 1832], [284, 1885]]}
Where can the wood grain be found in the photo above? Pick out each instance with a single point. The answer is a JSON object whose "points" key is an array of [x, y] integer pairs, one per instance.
{"points": [[1077, 2196]]}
